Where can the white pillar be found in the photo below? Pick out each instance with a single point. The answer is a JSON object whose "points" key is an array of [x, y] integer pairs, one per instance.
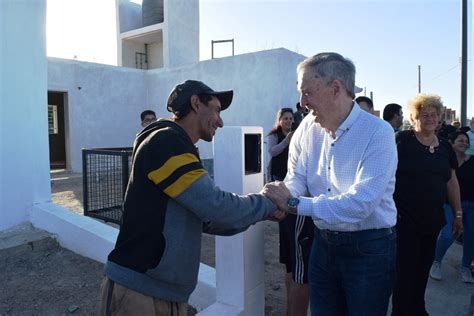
{"points": [[24, 158], [240, 288], [181, 33]]}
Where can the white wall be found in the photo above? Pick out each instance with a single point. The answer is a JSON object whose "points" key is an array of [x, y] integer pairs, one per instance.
{"points": [[129, 48], [105, 111], [181, 33], [24, 165], [103, 104], [155, 55], [179, 44], [262, 82]]}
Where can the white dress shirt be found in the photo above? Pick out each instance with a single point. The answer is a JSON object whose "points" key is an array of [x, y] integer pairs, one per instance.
{"points": [[348, 181]]}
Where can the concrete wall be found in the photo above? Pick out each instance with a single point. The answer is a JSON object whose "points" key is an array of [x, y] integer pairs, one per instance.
{"points": [[129, 48], [181, 32], [262, 82], [155, 55], [103, 105], [104, 102], [179, 43], [24, 165]]}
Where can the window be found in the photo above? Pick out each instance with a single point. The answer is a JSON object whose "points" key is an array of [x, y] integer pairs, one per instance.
{"points": [[52, 119]]}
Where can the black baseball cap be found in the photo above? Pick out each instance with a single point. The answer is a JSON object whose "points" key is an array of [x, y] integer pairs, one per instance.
{"points": [[179, 98]]}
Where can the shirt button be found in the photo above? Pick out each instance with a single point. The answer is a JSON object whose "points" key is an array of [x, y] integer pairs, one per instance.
{"points": [[329, 189], [329, 168], [332, 145]]}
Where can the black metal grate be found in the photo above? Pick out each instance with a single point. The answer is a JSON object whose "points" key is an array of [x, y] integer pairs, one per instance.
{"points": [[105, 176]]}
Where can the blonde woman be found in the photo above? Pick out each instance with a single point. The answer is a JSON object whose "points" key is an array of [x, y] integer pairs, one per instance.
{"points": [[425, 179]]}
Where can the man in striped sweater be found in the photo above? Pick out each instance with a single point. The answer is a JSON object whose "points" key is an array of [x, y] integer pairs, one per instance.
{"points": [[170, 201]]}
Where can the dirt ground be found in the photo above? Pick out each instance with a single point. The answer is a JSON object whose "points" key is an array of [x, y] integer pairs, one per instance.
{"points": [[41, 278]]}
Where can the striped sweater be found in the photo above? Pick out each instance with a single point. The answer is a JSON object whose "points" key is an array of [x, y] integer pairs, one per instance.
{"points": [[170, 200]]}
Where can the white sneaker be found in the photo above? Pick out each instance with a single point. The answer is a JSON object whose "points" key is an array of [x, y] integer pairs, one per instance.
{"points": [[435, 271], [466, 275]]}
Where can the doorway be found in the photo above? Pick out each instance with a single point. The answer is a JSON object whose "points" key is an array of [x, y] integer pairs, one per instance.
{"points": [[56, 130]]}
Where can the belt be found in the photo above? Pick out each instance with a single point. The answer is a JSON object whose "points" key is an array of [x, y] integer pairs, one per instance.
{"points": [[361, 235]]}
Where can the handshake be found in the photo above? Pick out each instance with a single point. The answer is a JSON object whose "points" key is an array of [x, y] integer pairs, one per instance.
{"points": [[278, 193]]}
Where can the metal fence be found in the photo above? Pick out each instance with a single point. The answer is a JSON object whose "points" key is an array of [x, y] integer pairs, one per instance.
{"points": [[105, 173]]}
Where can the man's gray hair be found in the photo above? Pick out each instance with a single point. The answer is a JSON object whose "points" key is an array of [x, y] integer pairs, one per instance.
{"points": [[331, 66]]}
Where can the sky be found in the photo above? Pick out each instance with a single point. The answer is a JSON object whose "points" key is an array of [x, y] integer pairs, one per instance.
{"points": [[386, 39]]}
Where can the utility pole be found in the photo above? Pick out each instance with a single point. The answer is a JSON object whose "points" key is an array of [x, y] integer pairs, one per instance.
{"points": [[419, 78], [372, 96], [463, 62]]}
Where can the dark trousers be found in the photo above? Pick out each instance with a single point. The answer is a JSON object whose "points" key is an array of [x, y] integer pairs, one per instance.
{"points": [[415, 253], [352, 273]]}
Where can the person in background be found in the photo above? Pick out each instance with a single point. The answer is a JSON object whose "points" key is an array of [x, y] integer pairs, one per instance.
{"points": [[393, 114], [147, 117], [295, 232], [365, 104], [278, 141], [170, 200], [470, 134], [299, 114], [425, 179], [456, 124], [465, 174], [445, 129], [464, 129], [344, 179]]}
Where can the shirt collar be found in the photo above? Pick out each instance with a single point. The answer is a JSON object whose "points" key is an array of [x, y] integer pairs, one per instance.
{"points": [[350, 119]]}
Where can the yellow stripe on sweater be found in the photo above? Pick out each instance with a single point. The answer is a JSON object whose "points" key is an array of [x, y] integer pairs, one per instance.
{"points": [[175, 162], [183, 182]]}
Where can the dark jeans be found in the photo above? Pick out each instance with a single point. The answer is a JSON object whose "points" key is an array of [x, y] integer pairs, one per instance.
{"points": [[415, 253], [352, 273]]}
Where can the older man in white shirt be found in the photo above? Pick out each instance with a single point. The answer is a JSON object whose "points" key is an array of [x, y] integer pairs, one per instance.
{"points": [[344, 179]]}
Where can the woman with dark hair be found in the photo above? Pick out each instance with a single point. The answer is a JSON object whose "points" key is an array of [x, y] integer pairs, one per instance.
{"points": [[465, 173], [425, 179], [278, 142]]}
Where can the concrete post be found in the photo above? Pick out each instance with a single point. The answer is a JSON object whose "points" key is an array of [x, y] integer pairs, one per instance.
{"points": [[24, 162], [238, 168]]}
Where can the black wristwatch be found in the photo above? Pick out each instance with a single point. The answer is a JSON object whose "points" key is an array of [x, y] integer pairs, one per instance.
{"points": [[293, 205]]}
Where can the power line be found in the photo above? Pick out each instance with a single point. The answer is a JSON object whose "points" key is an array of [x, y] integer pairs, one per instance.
{"points": [[414, 86], [445, 72]]}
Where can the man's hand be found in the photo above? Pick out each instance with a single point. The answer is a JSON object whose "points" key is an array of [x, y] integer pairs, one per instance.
{"points": [[278, 193], [277, 216]]}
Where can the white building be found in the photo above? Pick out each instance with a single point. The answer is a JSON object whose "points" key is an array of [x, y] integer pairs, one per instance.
{"points": [[97, 105]]}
